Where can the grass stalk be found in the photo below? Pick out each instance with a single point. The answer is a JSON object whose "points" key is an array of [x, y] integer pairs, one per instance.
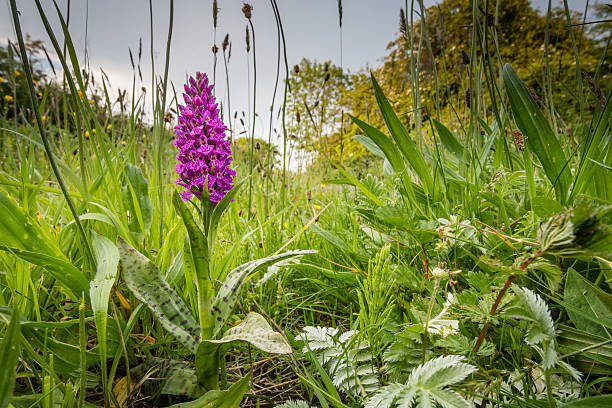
{"points": [[43, 134]]}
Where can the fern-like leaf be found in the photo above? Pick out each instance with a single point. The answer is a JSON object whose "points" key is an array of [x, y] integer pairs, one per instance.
{"points": [[346, 358], [426, 386]]}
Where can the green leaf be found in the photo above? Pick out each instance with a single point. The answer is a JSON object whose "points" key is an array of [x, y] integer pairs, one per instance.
{"points": [[537, 131], [229, 398], [402, 139], [369, 144], [546, 207], [228, 292], [197, 241], [167, 377], [595, 148], [148, 285], [9, 352], [107, 260], [26, 239], [602, 401], [135, 195], [589, 348], [591, 300], [220, 207], [448, 139], [256, 330]]}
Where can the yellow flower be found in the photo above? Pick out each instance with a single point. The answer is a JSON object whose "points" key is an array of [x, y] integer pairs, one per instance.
{"points": [[8, 98], [109, 127], [38, 215], [80, 94], [285, 224], [322, 185], [316, 207], [260, 186], [43, 117], [93, 130], [17, 73], [91, 102], [86, 134], [1, 79], [34, 82], [123, 143], [40, 94]]}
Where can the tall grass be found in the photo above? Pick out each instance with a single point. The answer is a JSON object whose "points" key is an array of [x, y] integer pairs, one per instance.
{"points": [[466, 237]]}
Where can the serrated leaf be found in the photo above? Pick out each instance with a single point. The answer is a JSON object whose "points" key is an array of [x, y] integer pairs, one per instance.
{"points": [[228, 292], [148, 285]]}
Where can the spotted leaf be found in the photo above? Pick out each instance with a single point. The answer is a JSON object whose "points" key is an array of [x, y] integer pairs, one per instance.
{"points": [[228, 292], [148, 285]]}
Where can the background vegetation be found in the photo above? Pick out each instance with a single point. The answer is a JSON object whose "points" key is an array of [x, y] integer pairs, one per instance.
{"points": [[458, 198]]}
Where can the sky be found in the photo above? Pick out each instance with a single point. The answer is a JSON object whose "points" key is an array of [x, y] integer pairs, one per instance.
{"points": [[107, 29]]}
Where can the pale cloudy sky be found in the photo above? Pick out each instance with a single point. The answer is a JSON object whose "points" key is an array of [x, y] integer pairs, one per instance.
{"points": [[311, 30]]}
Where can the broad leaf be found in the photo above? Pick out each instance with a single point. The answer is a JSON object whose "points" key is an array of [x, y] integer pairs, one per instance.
{"points": [[228, 292], [602, 401], [537, 131], [197, 241], [148, 285], [256, 330], [448, 139], [167, 377], [229, 398], [107, 260], [591, 300], [402, 139]]}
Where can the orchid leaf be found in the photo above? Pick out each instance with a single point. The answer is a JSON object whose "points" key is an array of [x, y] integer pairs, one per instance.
{"points": [[148, 285], [228, 292]]}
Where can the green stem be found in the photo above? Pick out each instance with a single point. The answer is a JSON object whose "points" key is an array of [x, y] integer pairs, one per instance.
{"points": [[551, 401], [251, 160], [431, 302]]}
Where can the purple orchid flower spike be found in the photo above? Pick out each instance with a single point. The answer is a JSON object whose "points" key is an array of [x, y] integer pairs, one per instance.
{"points": [[204, 151]]}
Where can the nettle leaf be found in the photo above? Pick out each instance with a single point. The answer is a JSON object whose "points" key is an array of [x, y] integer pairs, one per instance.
{"points": [[148, 285], [228, 292], [229, 398]]}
